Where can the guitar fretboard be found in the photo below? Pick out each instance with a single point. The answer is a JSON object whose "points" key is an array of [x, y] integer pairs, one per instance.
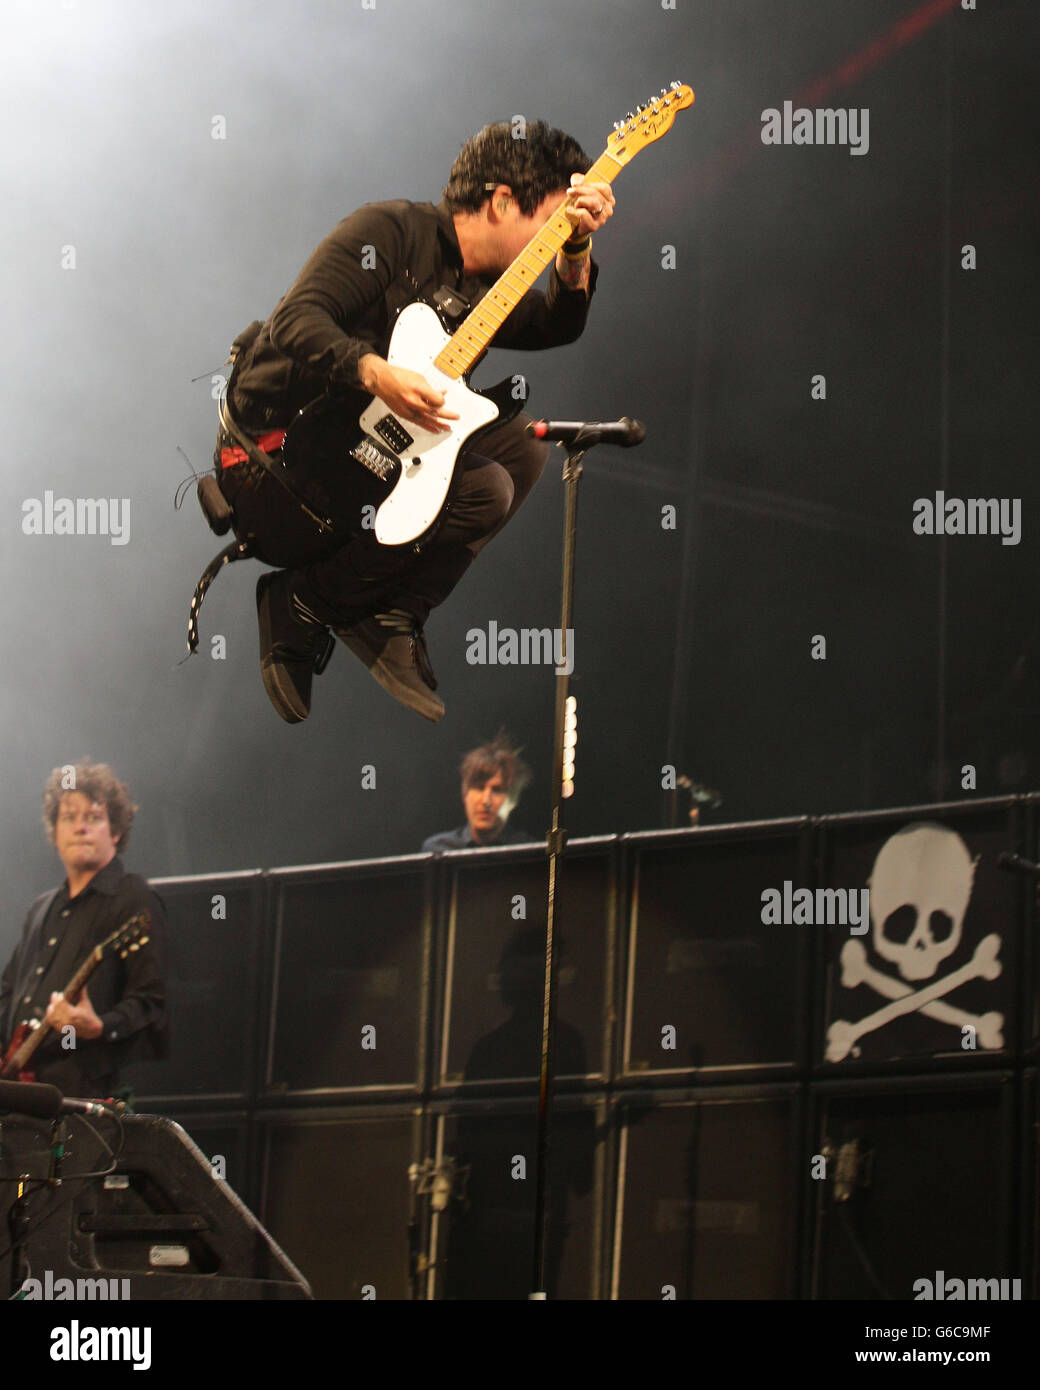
{"points": [[475, 332]]}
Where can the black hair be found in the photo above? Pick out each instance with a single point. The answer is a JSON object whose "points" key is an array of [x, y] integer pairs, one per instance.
{"points": [[532, 158]]}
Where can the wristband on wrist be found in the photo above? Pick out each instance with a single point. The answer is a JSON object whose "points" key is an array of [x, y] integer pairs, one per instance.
{"points": [[574, 250]]}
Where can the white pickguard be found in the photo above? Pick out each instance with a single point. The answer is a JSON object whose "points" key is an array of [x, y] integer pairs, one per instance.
{"points": [[429, 463]]}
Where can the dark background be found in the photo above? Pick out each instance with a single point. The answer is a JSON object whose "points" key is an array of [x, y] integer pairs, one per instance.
{"points": [[794, 515]]}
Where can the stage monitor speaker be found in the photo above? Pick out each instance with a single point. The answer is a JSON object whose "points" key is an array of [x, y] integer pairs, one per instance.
{"points": [[1029, 887], [223, 1139], [348, 1008], [707, 1196], [485, 1240], [138, 1207], [709, 984], [495, 968], [944, 922], [212, 964], [919, 1179], [335, 1190]]}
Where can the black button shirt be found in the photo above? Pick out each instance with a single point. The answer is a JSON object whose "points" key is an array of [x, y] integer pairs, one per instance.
{"points": [[128, 994], [347, 296]]}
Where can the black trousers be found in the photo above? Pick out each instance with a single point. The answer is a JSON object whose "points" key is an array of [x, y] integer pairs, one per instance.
{"points": [[363, 577]]}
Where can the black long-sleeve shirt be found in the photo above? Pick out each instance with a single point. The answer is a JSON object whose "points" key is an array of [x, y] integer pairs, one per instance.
{"points": [[462, 838], [128, 995], [347, 296]]}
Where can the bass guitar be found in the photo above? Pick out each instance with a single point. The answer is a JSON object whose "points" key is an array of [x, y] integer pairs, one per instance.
{"points": [[131, 936], [407, 471]]}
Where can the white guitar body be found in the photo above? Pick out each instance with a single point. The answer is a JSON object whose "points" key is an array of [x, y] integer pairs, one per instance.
{"points": [[428, 462]]}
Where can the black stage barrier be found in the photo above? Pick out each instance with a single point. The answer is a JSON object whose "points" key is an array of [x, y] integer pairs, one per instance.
{"points": [[725, 1065]]}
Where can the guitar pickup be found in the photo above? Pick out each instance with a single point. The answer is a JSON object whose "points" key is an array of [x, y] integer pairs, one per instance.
{"points": [[390, 429]]}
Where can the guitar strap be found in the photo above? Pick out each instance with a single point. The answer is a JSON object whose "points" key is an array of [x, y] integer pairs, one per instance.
{"points": [[265, 461], [219, 516]]}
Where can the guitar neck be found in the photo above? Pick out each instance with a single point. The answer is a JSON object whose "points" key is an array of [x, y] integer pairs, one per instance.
{"points": [[473, 335]]}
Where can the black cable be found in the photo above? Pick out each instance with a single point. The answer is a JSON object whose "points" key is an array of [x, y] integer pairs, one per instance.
{"points": [[34, 1184]]}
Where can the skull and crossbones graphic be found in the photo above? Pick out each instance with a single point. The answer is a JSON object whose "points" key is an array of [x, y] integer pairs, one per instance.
{"points": [[924, 870]]}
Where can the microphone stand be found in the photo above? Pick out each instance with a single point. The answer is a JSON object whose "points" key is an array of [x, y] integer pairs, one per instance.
{"points": [[554, 848]]}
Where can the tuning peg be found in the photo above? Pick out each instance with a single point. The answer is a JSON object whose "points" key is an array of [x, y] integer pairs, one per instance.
{"points": [[619, 125], [631, 116], [676, 86], [134, 946]]}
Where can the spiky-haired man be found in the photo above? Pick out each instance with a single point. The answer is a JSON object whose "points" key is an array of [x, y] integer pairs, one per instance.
{"points": [[328, 336]]}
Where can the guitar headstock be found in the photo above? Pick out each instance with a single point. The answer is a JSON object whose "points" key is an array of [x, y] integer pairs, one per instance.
{"points": [[131, 936], [648, 122]]}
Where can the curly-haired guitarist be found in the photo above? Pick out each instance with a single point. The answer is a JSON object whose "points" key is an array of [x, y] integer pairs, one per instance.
{"points": [[87, 813]]}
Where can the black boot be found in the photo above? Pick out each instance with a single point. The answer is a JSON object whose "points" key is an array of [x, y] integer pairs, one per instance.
{"points": [[393, 648], [294, 646]]}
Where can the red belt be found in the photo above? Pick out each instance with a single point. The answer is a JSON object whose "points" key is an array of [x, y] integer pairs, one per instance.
{"points": [[268, 442]]}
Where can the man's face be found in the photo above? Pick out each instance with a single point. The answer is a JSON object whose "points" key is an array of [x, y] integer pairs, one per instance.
{"points": [[515, 229], [83, 835], [484, 802]]}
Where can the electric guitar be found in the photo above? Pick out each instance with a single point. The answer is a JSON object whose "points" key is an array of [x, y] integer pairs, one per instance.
{"points": [[406, 471], [28, 1036]]}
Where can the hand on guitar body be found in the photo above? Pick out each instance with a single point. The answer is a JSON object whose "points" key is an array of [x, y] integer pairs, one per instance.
{"points": [[408, 394], [61, 1014]]}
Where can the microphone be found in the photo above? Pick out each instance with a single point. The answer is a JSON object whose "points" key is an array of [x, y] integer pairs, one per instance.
{"points": [[30, 1098], [72, 1105], [624, 432], [1014, 863], [851, 1169], [701, 795], [43, 1101]]}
